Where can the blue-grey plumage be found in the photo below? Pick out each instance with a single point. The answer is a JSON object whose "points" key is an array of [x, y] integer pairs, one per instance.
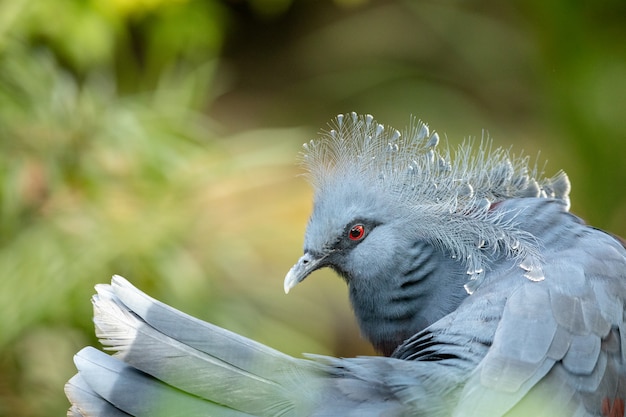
{"points": [[490, 298], [428, 221]]}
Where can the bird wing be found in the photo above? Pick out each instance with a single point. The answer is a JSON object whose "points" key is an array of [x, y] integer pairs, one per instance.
{"points": [[171, 364], [554, 346], [559, 345]]}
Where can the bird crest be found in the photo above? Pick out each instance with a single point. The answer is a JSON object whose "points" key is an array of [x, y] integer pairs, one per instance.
{"points": [[450, 196]]}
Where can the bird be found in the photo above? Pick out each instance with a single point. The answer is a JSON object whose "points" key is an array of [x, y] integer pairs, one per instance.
{"points": [[480, 290]]}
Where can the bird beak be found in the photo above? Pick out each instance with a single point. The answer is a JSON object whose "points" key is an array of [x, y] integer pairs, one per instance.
{"points": [[305, 265]]}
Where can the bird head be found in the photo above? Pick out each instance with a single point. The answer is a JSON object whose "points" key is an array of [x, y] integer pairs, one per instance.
{"points": [[352, 218], [377, 189], [354, 230]]}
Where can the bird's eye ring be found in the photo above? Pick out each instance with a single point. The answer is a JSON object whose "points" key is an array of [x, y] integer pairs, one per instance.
{"points": [[356, 232]]}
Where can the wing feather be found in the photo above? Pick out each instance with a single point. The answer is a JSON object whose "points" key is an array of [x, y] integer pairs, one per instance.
{"points": [[182, 351]]}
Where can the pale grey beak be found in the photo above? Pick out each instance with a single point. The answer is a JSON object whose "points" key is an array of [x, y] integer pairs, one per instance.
{"points": [[305, 265]]}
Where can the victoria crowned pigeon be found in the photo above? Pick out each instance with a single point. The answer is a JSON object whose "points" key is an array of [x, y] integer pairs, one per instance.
{"points": [[466, 271]]}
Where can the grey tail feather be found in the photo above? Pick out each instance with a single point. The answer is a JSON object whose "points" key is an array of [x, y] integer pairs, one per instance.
{"points": [[85, 401], [161, 348], [108, 387]]}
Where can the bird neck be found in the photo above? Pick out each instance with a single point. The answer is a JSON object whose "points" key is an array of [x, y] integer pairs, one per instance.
{"points": [[426, 285]]}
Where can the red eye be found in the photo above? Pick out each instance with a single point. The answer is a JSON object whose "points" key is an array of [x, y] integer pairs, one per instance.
{"points": [[357, 232]]}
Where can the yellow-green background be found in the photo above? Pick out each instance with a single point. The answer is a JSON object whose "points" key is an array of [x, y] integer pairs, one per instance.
{"points": [[157, 139]]}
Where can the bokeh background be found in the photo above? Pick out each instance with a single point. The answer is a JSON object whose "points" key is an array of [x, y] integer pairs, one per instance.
{"points": [[157, 139]]}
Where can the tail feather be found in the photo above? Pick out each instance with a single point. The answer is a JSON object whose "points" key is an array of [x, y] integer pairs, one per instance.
{"points": [[189, 330], [125, 388], [181, 351], [85, 401]]}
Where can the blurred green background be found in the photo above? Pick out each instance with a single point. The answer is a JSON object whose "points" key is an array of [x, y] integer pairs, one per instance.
{"points": [[157, 139]]}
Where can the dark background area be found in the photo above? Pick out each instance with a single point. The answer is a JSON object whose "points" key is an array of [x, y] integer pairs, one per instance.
{"points": [[158, 139]]}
